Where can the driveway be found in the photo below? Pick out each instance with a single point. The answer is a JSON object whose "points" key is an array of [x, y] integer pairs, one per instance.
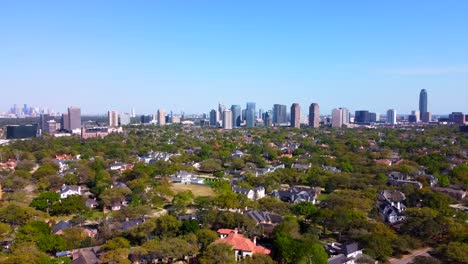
{"points": [[407, 259]]}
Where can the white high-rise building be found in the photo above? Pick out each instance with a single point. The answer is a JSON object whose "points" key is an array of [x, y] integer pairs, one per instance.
{"points": [[391, 117], [221, 109], [113, 118], [227, 119], [340, 117], [161, 116], [133, 114], [124, 119], [417, 114]]}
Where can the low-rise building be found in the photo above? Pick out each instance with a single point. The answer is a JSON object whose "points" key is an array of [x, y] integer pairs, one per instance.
{"points": [[297, 194], [253, 194], [242, 246], [343, 253], [184, 177], [391, 205], [68, 190]]}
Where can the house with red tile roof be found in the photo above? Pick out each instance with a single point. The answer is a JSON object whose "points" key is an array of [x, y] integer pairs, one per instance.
{"points": [[241, 245]]}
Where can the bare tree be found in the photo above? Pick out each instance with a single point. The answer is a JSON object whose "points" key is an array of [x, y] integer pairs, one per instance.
{"points": [[18, 154]]}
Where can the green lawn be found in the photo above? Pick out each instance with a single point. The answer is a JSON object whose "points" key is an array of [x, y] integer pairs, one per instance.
{"points": [[197, 190]]}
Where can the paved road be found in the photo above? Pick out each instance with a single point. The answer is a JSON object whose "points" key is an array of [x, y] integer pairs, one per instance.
{"points": [[406, 259]]}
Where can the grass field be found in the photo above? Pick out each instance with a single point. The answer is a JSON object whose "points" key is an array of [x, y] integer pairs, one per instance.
{"points": [[197, 190]]}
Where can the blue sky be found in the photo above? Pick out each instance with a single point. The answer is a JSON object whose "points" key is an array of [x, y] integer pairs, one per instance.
{"points": [[190, 55]]}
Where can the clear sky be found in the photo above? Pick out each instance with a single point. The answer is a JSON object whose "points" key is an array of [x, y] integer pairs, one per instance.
{"points": [[188, 55]]}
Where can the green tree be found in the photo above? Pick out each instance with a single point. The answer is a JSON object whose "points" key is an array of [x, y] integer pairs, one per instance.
{"points": [[218, 253], [116, 243], [206, 237], [182, 200]]}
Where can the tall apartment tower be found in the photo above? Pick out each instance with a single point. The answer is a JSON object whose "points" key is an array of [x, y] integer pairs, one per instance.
{"points": [[236, 115], [221, 109], [295, 115], [213, 118], [65, 122], [425, 115], [74, 114], [279, 114], [161, 116], [113, 118], [252, 106], [423, 101], [250, 117], [340, 117], [392, 117], [337, 117], [314, 115], [227, 119], [125, 119], [267, 119]]}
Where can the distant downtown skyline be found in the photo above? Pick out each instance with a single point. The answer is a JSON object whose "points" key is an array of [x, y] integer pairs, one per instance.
{"points": [[422, 103]]}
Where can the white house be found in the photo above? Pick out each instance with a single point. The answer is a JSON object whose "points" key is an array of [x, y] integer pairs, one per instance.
{"points": [[68, 190], [252, 194], [184, 177]]}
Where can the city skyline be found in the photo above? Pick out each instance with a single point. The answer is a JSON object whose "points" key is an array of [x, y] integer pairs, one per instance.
{"points": [[372, 55]]}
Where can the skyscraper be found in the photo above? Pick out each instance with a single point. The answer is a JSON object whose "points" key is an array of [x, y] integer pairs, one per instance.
{"points": [[213, 117], [267, 119], [340, 117], [65, 122], [250, 117], [236, 115], [391, 117], [362, 117], [221, 109], [227, 119], [161, 116], [279, 114], [423, 101], [133, 114], [124, 119], [314, 115], [43, 119], [113, 118], [337, 117], [74, 114], [252, 106], [295, 115]]}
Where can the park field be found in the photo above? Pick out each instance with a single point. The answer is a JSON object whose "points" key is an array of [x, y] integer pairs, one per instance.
{"points": [[197, 190]]}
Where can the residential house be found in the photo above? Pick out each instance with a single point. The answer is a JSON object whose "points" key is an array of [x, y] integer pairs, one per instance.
{"points": [[184, 177], [242, 246], [331, 169], [396, 178], [343, 254], [9, 165], [262, 217], [252, 194], [391, 205], [237, 154], [60, 227], [297, 194], [301, 167], [129, 224], [120, 166], [68, 190], [91, 203], [267, 170], [86, 255]]}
